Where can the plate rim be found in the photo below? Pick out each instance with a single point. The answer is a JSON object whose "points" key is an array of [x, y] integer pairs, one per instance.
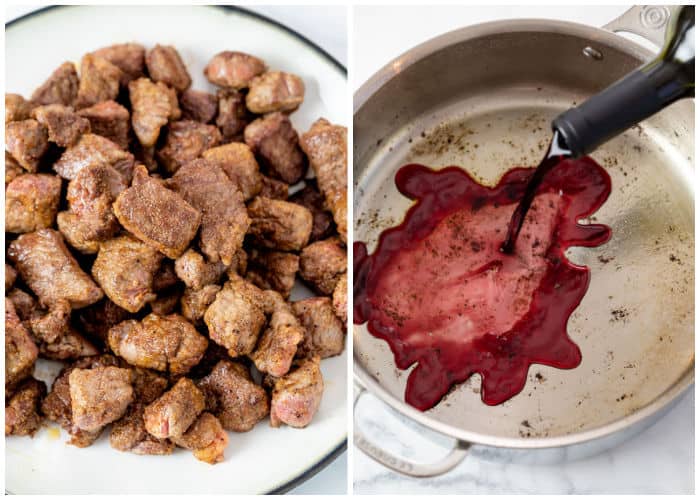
{"points": [[340, 448]]}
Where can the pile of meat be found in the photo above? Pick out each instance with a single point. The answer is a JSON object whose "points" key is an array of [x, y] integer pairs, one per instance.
{"points": [[153, 244]]}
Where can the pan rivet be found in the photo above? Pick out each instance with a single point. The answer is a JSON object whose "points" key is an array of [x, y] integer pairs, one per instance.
{"points": [[592, 53]]}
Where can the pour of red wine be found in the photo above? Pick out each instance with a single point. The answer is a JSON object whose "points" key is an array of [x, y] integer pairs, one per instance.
{"points": [[557, 152]]}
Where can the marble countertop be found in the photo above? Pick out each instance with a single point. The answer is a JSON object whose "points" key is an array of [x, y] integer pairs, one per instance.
{"points": [[658, 460]]}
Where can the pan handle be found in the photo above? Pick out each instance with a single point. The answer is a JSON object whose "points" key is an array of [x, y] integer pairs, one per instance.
{"points": [[398, 464], [647, 21]]}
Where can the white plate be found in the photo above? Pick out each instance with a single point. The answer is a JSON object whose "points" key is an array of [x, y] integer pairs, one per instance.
{"points": [[264, 459]]}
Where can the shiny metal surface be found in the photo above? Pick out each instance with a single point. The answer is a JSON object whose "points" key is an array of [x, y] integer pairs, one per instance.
{"points": [[482, 98]]}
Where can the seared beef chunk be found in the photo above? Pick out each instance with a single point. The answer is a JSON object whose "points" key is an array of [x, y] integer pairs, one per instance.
{"points": [[49, 326], [326, 146], [198, 106], [312, 199], [233, 69], [24, 304], [322, 263], [22, 414], [196, 272], [275, 141], [12, 169], [71, 345], [17, 108], [297, 396], [165, 65], [167, 302], [164, 343], [224, 216], [157, 216], [60, 88], [49, 269], [128, 57], [99, 396], [109, 119], [278, 343], [152, 106], [272, 270], [89, 219], [233, 397], [279, 225], [10, 276], [94, 150], [26, 141], [206, 438], [238, 163], [325, 333], [99, 81], [31, 202], [97, 319], [275, 91], [185, 141], [233, 116], [165, 277], [124, 268], [175, 411], [64, 126], [194, 303], [20, 350], [236, 317], [274, 189]]}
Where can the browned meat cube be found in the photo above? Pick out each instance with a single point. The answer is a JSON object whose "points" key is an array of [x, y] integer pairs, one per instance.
{"points": [[63, 124], [297, 396], [60, 88], [322, 263], [10, 276], [238, 163], [12, 169], [31, 202], [97, 319], [152, 106], [233, 69], [26, 141], [128, 57], [236, 316], [326, 146], [272, 270], [109, 119], [198, 106], [275, 91], [206, 438], [124, 268], [22, 413], [163, 343], [90, 219], [273, 139], [279, 225], [194, 303], [94, 150], [325, 333], [224, 215], [24, 304], [312, 199], [196, 272], [20, 350], [157, 216], [17, 108], [278, 343], [71, 345], [166, 303], [236, 400], [175, 411], [165, 277], [165, 65], [99, 396], [57, 404], [99, 81], [49, 269], [185, 141], [49, 326], [233, 116], [274, 189]]}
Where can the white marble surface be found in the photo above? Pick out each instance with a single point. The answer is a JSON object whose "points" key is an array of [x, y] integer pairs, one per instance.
{"points": [[658, 460], [327, 27]]}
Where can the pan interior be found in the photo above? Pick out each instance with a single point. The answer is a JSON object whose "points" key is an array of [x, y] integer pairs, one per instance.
{"points": [[635, 326]]}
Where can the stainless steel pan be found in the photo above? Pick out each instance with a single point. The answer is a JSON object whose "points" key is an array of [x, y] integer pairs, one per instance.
{"points": [[482, 97]]}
